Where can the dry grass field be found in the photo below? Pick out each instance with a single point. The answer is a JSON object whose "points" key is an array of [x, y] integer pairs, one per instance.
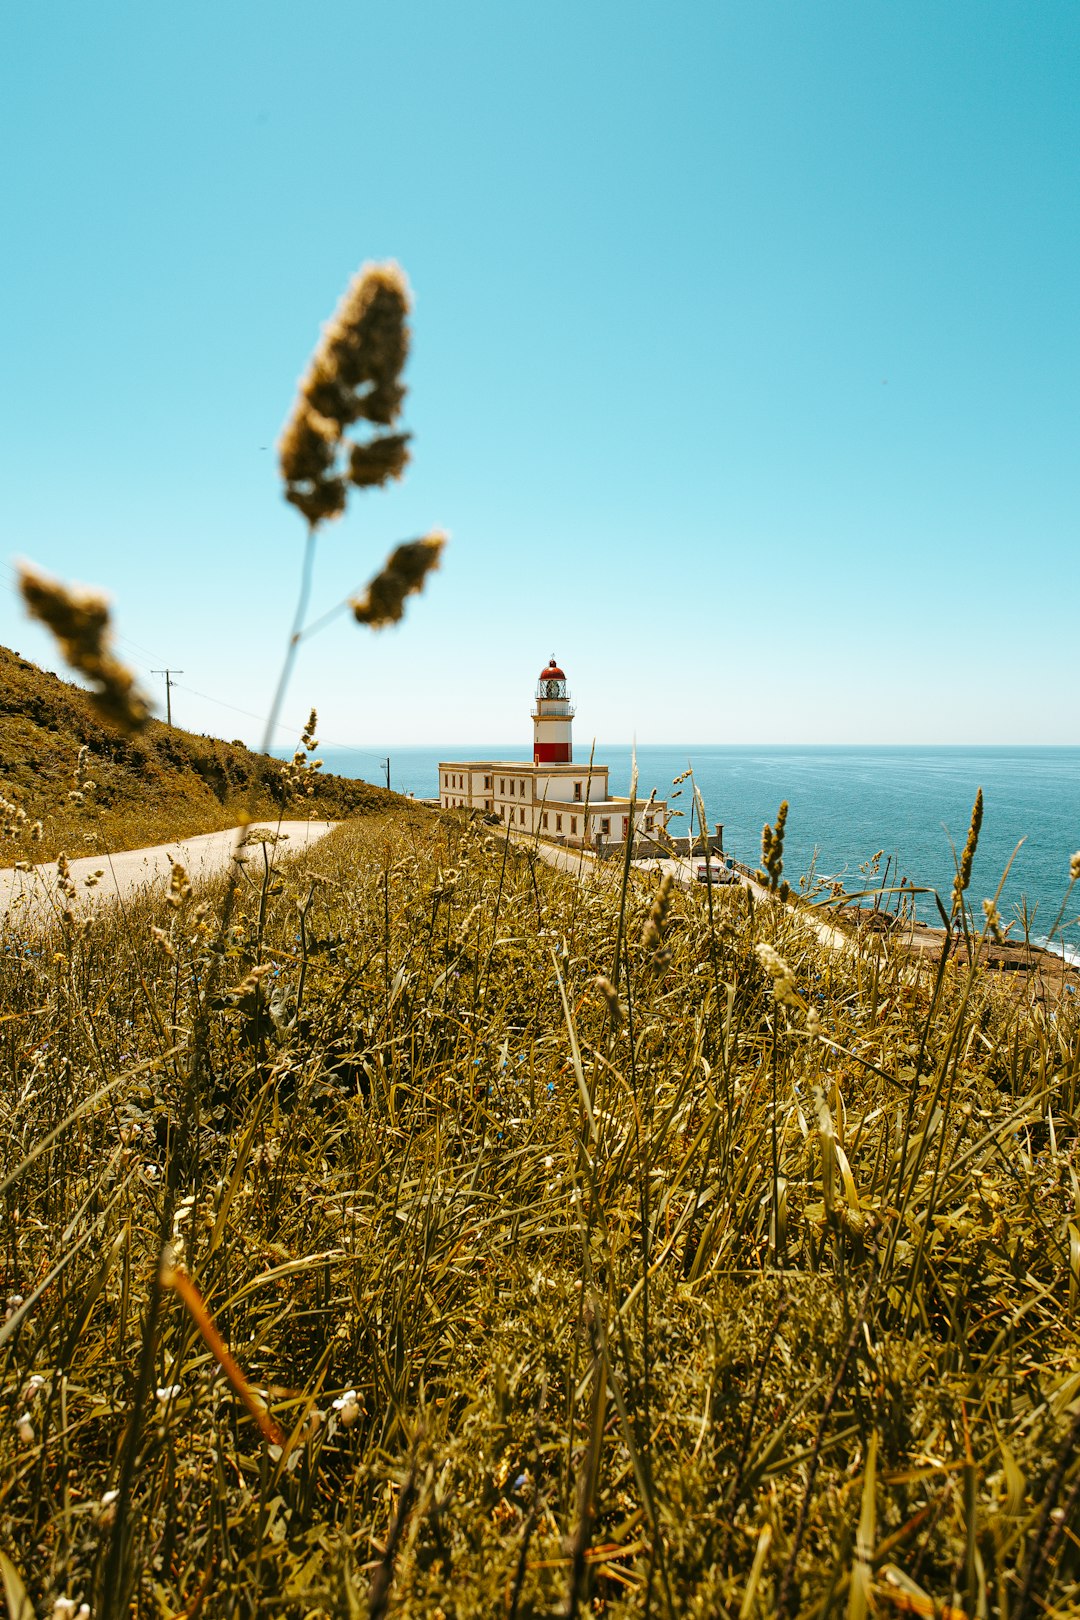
{"points": [[443, 1235]]}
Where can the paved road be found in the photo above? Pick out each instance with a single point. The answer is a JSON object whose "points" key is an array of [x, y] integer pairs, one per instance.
{"points": [[577, 861], [26, 896]]}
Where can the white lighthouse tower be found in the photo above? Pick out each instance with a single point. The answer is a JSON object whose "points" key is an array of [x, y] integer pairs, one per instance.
{"points": [[552, 717]]}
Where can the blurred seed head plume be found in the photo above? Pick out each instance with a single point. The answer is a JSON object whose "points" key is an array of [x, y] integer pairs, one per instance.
{"points": [[994, 923], [179, 884], [616, 1010], [782, 976], [79, 619], [658, 952], [353, 376], [404, 573], [652, 933]]}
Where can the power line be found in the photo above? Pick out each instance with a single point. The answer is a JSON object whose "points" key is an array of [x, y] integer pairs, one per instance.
{"points": [[127, 641], [293, 728]]}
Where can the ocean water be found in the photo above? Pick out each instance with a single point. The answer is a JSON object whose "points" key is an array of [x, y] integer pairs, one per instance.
{"points": [[848, 803]]}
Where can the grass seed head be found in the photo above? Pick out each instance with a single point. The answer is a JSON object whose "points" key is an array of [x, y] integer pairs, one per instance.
{"points": [[379, 461], [782, 976], [772, 849], [406, 569], [652, 934], [1074, 867], [993, 921], [963, 875], [616, 1010], [79, 619], [179, 885], [353, 375]]}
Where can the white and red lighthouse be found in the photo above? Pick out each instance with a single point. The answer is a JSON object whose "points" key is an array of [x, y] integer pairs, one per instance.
{"points": [[549, 796], [552, 718]]}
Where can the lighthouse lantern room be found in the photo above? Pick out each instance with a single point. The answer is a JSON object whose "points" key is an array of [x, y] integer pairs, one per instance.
{"points": [[551, 717]]}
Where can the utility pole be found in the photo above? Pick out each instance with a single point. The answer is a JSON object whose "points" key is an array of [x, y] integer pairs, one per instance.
{"points": [[168, 674], [386, 762]]}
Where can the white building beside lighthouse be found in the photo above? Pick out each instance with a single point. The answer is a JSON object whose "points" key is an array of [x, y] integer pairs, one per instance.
{"points": [[550, 795]]}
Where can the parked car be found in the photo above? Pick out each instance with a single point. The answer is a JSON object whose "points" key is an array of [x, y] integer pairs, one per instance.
{"points": [[715, 872]]}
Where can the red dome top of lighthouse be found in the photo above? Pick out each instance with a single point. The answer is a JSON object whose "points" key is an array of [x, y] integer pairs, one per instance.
{"points": [[553, 672]]}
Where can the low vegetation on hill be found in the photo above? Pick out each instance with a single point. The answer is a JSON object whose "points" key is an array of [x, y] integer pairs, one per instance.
{"points": [[130, 792], [424, 1232]]}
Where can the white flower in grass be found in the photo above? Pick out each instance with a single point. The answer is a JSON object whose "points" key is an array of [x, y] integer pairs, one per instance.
{"points": [[107, 1509], [65, 1608], [25, 1429], [292, 1461], [168, 1392], [347, 1407]]}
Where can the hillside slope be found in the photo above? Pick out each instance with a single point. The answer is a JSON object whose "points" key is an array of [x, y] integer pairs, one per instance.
{"points": [[163, 784]]}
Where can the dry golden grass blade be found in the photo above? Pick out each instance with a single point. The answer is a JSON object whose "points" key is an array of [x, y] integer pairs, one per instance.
{"points": [[172, 1277]]}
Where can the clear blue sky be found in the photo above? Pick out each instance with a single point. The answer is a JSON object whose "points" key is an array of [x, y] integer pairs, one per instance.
{"points": [[745, 366]]}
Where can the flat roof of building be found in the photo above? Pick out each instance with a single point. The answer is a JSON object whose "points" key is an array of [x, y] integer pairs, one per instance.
{"points": [[548, 767], [597, 804]]}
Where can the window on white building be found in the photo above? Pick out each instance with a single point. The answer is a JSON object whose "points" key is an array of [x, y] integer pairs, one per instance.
{"points": [[605, 826], [577, 792], [558, 823], [487, 781], [502, 784], [522, 785], [573, 824], [521, 816], [544, 818]]}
